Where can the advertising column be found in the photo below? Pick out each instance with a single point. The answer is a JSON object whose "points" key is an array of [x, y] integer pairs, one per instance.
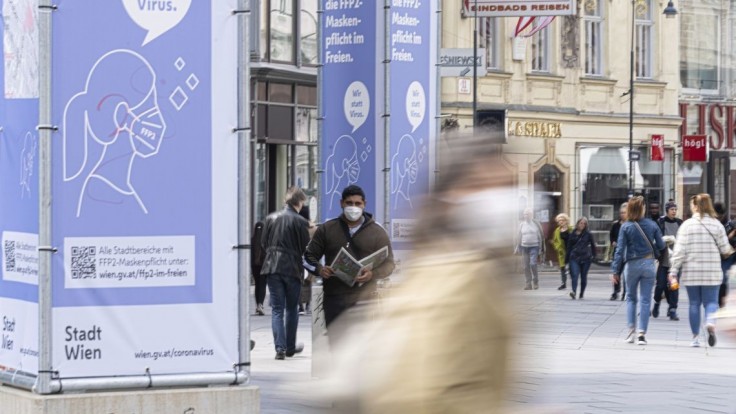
{"points": [[144, 187], [348, 146], [19, 187], [412, 114]]}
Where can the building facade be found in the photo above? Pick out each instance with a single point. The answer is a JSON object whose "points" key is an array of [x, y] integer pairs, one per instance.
{"points": [[284, 100], [566, 92], [707, 104]]}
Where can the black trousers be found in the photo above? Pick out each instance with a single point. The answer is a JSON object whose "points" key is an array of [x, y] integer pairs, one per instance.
{"points": [[672, 296], [260, 285]]}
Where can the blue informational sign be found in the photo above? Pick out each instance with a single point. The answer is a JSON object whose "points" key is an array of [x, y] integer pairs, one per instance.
{"points": [[410, 75], [132, 158], [19, 152], [348, 146]]}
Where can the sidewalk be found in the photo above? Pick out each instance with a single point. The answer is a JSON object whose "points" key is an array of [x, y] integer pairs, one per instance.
{"points": [[571, 358]]}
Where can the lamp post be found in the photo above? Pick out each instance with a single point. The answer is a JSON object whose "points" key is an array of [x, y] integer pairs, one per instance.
{"points": [[670, 12], [475, 64]]}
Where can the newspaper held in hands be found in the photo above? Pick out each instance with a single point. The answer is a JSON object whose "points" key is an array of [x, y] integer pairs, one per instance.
{"points": [[347, 268]]}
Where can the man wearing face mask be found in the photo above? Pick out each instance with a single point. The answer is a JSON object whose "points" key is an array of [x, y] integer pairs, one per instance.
{"points": [[361, 236], [285, 237]]}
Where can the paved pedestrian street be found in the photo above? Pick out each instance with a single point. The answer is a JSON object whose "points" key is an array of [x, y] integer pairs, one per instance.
{"points": [[569, 357]]}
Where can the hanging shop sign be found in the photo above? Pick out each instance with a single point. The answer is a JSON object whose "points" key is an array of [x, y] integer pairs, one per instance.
{"points": [[694, 148], [657, 150]]}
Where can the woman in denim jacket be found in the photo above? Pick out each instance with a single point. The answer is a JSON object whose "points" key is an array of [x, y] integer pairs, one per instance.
{"points": [[639, 244]]}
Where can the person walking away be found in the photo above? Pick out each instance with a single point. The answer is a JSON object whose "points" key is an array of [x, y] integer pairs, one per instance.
{"points": [[357, 232], [257, 254], [701, 242], [639, 244], [559, 239], [726, 263], [530, 242], [613, 238], [580, 253], [285, 238], [668, 225]]}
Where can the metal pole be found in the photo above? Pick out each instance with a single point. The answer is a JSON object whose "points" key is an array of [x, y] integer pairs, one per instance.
{"points": [[244, 181], [45, 251], [475, 65], [438, 97], [387, 115], [631, 98], [320, 111]]}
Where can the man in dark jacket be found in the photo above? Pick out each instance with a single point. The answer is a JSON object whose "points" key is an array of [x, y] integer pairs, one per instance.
{"points": [[285, 237], [357, 232], [668, 224]]}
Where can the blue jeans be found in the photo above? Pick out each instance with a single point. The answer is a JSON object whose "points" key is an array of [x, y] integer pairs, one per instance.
{"points": [[284, 299], [579, 270], [530, 255], [639, 273], [706, 296]]}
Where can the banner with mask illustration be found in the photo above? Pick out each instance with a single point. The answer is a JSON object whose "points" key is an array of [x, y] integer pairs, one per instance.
{"points": [[349, 145], [412, 74], [143, 152], [19, 186]]}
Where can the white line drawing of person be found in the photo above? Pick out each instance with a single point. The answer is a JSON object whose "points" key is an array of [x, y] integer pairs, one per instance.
{"points": [[112, 122], [27, 156], [404, 167], [342, 167]]}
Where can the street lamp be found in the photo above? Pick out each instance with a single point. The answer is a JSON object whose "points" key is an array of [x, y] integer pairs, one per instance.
{"points": [[670, 12]]}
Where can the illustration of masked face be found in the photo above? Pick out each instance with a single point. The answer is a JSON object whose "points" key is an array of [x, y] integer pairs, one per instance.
{"points": [[352, 168], [145, 125]]}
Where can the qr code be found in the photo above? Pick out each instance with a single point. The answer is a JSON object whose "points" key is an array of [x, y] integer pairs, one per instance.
{"points": [[395, 230], [84, 259], [9, 255]]}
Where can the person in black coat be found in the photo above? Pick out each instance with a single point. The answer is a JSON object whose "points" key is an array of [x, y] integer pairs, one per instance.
{"points": [[285, 238], [580, 252]]}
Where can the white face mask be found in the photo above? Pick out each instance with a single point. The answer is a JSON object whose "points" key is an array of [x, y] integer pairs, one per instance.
{"points": [[353, 213], [485, 218]]}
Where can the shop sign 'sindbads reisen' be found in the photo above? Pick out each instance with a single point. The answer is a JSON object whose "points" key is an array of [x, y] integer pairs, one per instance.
{"points": [[506, 8]]}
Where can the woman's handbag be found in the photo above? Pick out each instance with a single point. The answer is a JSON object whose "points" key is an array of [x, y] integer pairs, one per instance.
{"points": [[724, 256]]}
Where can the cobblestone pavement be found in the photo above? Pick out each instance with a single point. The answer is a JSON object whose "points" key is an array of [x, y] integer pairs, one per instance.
{"points": [[569, 357]]}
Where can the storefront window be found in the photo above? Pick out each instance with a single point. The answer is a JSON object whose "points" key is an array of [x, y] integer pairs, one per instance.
{"points": [[282, 30], [306, 124], [604, 186], [308, 35]]}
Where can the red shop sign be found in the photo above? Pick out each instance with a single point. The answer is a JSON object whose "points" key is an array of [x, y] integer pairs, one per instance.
{"points": [[694, 148], [657, 152]]}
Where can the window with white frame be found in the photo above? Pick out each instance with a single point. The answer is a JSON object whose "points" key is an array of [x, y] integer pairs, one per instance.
{"points": [[643, 45], [540, 49], [489, 40], [593, 18], [700, 46]]}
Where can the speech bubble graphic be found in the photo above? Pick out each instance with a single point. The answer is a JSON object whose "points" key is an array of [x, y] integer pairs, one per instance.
{"points": [[416, 105], [357, 104], [156, 16]]}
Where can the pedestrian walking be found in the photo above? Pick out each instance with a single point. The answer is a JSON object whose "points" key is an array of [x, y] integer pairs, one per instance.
{"points": [[701, 242], [726, 263], [285, 238], [530, 243], [669, 224], [559, 240], [360, 235], [639, 245], [580, 253], [257, 254], [613, 238]]}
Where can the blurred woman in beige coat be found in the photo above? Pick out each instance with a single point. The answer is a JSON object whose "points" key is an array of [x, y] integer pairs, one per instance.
{"points": [[441, 344]]}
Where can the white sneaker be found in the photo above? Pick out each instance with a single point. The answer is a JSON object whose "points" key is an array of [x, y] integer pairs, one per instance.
{"points": [[695, 343], [630, 338]]}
